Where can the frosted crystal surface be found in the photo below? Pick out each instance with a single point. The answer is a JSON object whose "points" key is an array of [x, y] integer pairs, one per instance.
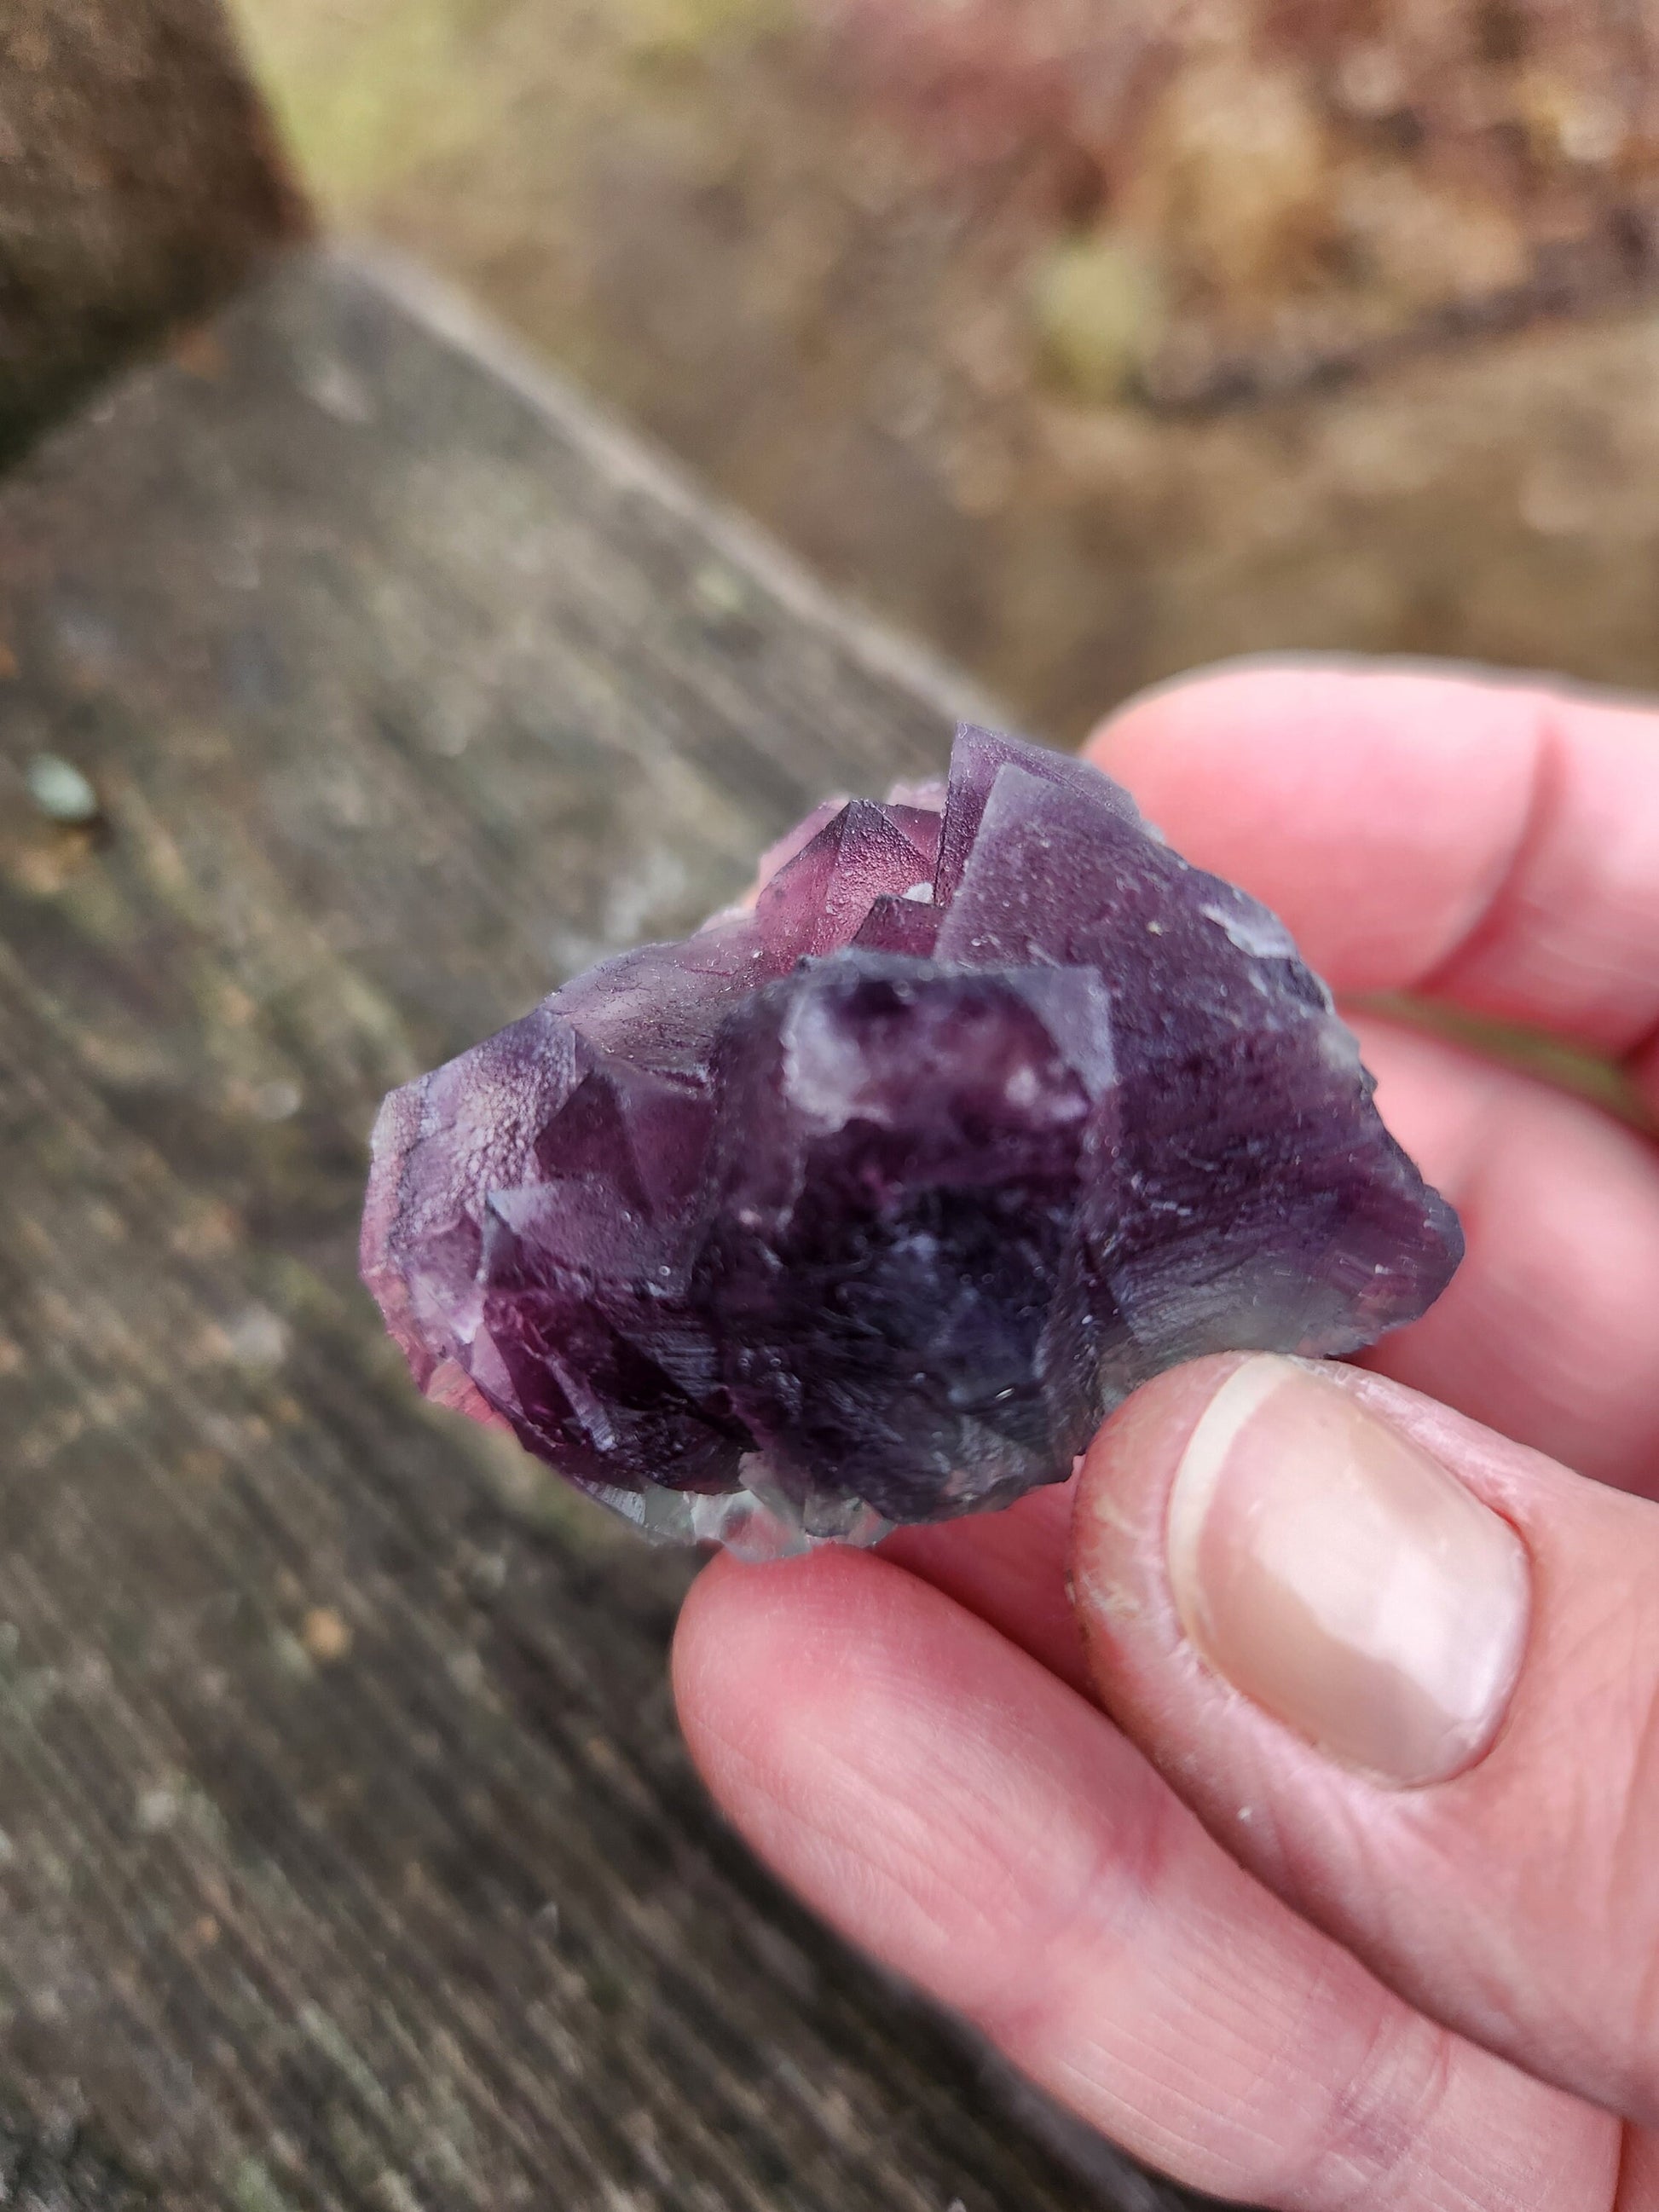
{"points": [[863, 1206]]}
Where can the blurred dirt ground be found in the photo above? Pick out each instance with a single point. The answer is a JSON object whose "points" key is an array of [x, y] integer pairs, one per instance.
{"points": [[1090, 338]]}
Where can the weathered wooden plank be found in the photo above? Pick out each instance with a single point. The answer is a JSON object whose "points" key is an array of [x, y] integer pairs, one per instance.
{"points": [[350, 1857], [139, 183]]}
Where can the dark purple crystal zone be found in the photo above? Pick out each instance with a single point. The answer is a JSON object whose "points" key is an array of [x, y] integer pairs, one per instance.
{"points": [[871, 1201]]}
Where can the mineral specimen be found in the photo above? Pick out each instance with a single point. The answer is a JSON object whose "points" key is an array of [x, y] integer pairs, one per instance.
{"points": [[864, 1205]]}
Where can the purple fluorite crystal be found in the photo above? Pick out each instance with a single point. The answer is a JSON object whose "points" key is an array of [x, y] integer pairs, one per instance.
{"points": [[863, 1206]]}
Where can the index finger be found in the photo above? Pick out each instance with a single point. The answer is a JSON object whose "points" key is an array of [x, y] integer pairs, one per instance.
{"points": [[1487, 842]]}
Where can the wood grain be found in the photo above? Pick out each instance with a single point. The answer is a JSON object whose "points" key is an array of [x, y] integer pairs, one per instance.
{"points": [[350, 1857]]}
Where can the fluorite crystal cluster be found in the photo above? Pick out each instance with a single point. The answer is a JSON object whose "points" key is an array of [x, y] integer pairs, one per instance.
{"points": [[863, 1205]]}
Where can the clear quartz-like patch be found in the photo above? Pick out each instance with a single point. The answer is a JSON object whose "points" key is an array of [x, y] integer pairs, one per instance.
{"points": [[863, 1206]]}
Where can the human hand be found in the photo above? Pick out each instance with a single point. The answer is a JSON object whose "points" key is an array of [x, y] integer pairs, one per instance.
{"points": [[1418, 1966]]}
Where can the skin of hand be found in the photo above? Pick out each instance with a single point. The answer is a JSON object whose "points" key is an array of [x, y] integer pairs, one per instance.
{"points": [[1312, 1853]]}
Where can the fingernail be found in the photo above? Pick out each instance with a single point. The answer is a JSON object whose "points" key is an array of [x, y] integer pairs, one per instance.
{"points": [[1339, 1577]]}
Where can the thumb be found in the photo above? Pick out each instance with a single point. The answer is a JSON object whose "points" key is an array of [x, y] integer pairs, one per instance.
{"points": [[1408, 1673]]}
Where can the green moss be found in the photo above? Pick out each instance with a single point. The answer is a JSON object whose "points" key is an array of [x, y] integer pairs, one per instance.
{"points": [[367, 90], [253, 2190], [683, 30], [1096, 306]]}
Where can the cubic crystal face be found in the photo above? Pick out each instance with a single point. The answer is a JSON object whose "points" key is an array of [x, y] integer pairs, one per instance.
{"points": [[865, 1204]]}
